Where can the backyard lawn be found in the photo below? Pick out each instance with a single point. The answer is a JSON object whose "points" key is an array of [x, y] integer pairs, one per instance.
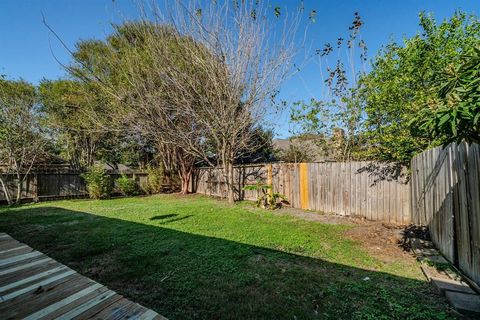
{"points": [[196, 257]]}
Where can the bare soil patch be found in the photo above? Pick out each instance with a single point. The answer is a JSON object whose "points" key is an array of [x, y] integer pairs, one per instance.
{"points": [[382, 240]]}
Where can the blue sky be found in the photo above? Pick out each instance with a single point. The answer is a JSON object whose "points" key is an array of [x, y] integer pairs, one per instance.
{"points": [[26, 46]]}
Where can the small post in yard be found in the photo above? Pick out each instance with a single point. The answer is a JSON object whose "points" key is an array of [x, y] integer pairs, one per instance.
{"points": [[270, 178]]}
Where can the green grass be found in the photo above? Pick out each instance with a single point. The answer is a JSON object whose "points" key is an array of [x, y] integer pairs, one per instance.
{"points": [[195, 257]]}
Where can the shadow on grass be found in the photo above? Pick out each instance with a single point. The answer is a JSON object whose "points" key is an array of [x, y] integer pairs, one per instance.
{"points": [[164, 216], [186, 276]]}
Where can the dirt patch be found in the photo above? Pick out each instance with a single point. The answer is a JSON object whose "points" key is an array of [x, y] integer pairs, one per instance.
{"points": [[319, 217], [382, 240]]}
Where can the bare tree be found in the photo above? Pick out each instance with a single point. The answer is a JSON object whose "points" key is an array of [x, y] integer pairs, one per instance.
{"points": [[241, 54], [198, 77]]}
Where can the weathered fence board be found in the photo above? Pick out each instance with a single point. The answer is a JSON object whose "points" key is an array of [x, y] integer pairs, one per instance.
{"points": [[56, 185], [372, 190], [446, 197]]}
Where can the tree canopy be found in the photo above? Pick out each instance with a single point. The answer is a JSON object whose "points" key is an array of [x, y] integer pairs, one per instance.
{"points": [[22, 141], [404, 79], [457, 115]]}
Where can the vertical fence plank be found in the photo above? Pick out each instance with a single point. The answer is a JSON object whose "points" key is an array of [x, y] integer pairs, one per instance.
{"points": [[445, 195]]}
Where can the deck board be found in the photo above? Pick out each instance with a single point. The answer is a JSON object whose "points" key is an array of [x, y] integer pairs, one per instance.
{"points": [[16, 273], [34, 286]]}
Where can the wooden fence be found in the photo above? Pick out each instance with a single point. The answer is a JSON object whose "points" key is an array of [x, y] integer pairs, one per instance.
{"points": [[56, 185], [371, 190], [446, 197]]}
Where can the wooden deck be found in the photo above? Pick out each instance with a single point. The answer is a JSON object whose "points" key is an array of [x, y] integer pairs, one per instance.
{"points": [[34, 286]]}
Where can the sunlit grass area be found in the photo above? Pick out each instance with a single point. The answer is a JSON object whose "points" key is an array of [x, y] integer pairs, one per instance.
{"points": [[196, 257]]}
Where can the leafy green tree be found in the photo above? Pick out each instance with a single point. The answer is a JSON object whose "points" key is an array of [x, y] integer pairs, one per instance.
{"points": [[260, 147], [127, 148], [22, 142], [66, 105], [404, 78], [136, 117], [457, 116]]}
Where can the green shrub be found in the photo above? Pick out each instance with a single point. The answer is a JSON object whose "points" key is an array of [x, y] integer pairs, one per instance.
{"points": [[98, 182], [127, 186], [154, 180], [267, 199]]}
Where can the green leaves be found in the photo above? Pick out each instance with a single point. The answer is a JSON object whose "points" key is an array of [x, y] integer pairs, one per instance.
{"points": [[267, 199], [127, 186], [98, 182], [444, 119], [420, 80], [276, 11], [458, 116]]}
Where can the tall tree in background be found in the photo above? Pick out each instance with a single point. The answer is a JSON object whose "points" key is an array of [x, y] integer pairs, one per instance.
{"points": [[132, 67], [65, 102], [21, 140], [340, 109], [242, 53], [198, 78], [127, 71], [73, 114], [404, 79]]}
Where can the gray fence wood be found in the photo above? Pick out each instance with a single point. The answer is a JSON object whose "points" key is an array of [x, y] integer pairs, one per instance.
{"points": [[55, 185], [372, 190], [446, 197]]}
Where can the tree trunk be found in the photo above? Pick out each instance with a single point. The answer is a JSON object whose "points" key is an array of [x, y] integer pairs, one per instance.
{"points": [[5, 191], [19, 191], [228, 167], [185, 176], [185, 184], [227, 163]]}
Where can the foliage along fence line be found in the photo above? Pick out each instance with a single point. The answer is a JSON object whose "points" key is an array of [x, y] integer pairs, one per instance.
{"points": [[57, 185], [445, 186], [372, 190]]}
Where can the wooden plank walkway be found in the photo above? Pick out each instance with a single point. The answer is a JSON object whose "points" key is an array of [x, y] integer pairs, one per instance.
{"points": [[34, 286]]}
